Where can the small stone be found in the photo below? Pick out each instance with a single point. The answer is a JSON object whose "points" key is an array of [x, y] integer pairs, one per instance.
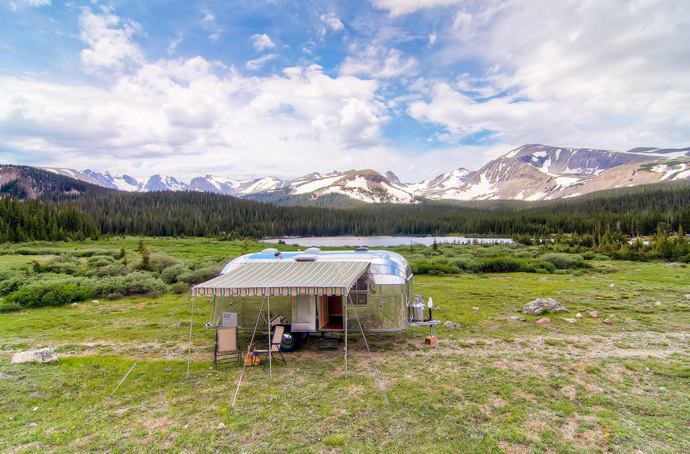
{"points": [[612, 285], [451, 325], [45, 355], [673, 265], [475, 308], [95, 301], [543, 321], [578, 315], [74, 304], [687, 296], [568, 320], [221, 426], [608, 320], [658, 303], [34, 409], [4, 375], [593, 314], [516, 318]]}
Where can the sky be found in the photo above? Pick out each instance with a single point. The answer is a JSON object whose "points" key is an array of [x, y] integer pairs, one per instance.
{"points": [[284, 88]]}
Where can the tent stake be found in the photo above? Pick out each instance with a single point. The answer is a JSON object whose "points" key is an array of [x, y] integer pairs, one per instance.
{"points": [[189, 353]]}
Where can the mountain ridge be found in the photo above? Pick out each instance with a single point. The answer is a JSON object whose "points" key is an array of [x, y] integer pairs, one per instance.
{"points": [[529, 172]]}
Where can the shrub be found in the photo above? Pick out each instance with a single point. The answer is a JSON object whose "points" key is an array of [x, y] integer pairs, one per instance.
{"points": [[52, 293], [179, 287], [98, 261], [63, 264], [564, 261], [12, 284], [159, 262], [172, 273], [512, 265], [198, 276], [428, 267], [136, 283], [114, 269]]}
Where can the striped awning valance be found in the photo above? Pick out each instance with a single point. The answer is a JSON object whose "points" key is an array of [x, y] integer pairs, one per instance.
{"points": [[285, 279]]}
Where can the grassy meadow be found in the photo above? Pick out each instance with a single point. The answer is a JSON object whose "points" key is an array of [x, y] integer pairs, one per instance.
{"points": [[497, 383]]}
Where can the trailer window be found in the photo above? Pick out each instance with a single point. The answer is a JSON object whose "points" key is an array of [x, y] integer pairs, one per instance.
{"points": [[360, 292]]}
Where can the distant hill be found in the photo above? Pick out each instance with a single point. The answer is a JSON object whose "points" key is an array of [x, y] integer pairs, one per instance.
{"points": [[28, 183]]}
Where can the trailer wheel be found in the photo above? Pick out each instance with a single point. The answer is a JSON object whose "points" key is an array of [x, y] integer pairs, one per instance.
{"points": [[290, 341]]}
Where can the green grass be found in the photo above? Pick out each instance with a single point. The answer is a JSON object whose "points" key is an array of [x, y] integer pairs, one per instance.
{"points": [[497, 383]]}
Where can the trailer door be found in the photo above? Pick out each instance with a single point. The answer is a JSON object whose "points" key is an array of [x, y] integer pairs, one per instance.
{"points": [[304, 314]]}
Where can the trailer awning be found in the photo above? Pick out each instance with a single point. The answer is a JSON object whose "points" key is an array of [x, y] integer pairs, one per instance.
{"points": [[285, 278]]}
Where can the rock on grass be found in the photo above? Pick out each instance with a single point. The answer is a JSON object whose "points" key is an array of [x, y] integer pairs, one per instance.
{"points": [[44, 355], [543, 306]]}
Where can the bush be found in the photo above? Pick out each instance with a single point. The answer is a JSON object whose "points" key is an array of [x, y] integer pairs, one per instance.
{"points": [[98, 261], [114, 269], [136, 283], [435, 267], [198, 276], [159, 262], [179, 288], [512, 265], [63, 264], [12, 284], [564, 261], [172, 273], [52, 293]]}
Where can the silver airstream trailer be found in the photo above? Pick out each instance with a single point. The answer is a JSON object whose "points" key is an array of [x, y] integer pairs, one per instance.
{"points": [[315, 291]]}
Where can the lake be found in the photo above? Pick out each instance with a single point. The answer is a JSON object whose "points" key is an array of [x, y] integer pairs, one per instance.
{"points": [[374, 241]]}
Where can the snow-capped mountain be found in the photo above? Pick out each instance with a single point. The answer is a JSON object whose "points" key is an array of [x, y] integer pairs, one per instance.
{"points": [[363, 185], [120, 182], [529, 172], [164, 183], [441, 186]]}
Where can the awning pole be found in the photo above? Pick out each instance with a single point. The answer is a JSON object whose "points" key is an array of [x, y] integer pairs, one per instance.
{"points": [[189, 353], [345, 323], [270, 341]]}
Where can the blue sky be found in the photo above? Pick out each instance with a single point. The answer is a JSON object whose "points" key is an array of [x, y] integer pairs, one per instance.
{"points": [[284, 88]]}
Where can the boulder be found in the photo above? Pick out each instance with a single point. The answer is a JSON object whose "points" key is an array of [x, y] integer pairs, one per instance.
{"points": [[543, 321], [674, 265], [543, 306], [44, 355], [452, 325]]}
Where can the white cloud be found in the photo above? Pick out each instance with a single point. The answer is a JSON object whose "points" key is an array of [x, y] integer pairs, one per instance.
{"points": [[332, 21], [191, 116], [600, 74], [431, 39], [209, 24], [172, 46], [378, 62], [262, 42], [36, 2], [402, 7], [110, 42], [258, 63]]}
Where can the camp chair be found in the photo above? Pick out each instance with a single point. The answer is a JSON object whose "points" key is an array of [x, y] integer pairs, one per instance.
{"points": [[227, 345], [276, 341]]}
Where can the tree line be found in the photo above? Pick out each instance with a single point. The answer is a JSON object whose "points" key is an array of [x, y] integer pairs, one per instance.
{"points": [[629, 212]]}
